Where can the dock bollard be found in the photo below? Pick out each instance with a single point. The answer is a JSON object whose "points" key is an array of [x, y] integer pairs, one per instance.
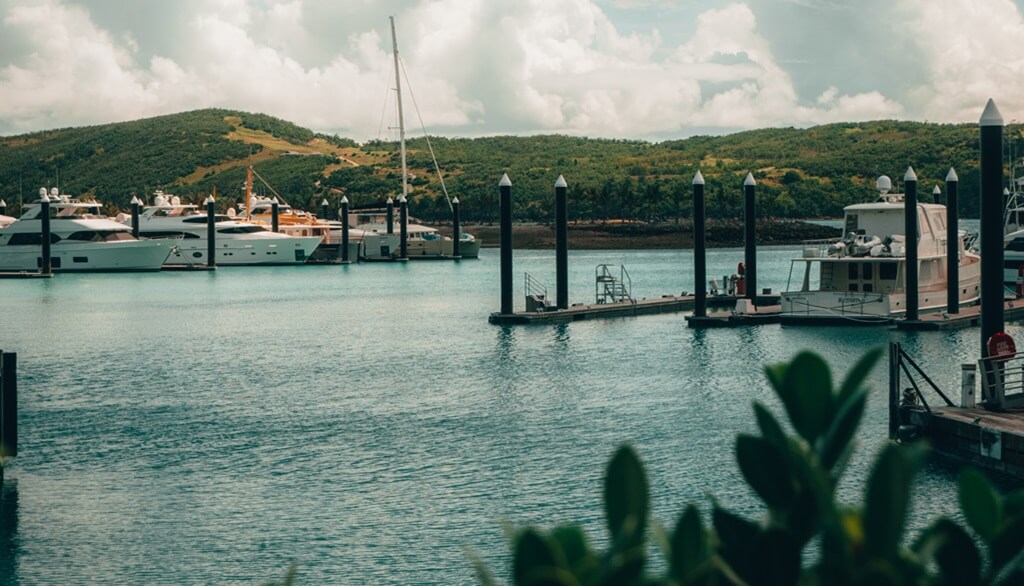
{"points": [[46, 262], [456, 229], [325, 210], [275, 215], [750, 238], [910, 240], [952, 244], [403, 227], [391, 216], [991, 124], [344, 229], [700, 272], [9, 404], [136, 204], [561, 244], [211, 231], [505, 205]]}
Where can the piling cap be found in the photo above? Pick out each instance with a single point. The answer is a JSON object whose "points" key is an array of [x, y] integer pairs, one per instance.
{"points": [[936, 190], [991, 115], [274, 201], [136, 201], [698, 179], [324, 203], [505, 181], [455, 199], [3, 203], [1006, 191], [401, 199], [344, 199], [391, 201], [209, 199], [44, 198], [749, 181], [560, 182], [951, 176], [910, 176]]}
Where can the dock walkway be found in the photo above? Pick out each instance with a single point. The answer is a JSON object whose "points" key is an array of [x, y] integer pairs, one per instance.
{"points": [[580, 311]]}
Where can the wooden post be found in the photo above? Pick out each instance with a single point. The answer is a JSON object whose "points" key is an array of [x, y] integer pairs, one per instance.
{"points": [[46, 262], [910, 239], [456, 229], [136, 204], [992, 208], [505, 204], [403, 228], [211, 231], [561, 244], [952, 244], [700, 273], [391, 216], [750, 239], [344, 229]]}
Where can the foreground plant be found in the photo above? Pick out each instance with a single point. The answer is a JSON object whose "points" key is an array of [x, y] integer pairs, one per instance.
{"points": [[795, 474]]}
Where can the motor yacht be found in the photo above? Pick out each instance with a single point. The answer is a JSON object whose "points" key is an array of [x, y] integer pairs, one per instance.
{"points": [[423, 242], [82, 238]]}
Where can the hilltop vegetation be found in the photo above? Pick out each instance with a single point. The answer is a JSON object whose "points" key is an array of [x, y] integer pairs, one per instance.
{"points": [[800, 172]]}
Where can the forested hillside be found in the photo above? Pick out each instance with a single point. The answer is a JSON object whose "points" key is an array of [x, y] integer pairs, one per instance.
{"points": [[801, 173]]}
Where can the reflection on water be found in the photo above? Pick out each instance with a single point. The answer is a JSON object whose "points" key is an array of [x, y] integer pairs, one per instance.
{"points": [[9, 547]]}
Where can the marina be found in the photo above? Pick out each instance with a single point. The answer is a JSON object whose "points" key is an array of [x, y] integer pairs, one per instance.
{"points": [[354, 452]]}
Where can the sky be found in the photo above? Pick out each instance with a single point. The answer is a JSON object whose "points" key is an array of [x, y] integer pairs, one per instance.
{"points": [[636, 69]]}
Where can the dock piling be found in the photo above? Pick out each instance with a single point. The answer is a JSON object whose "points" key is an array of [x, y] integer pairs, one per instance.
{"points": [[275, 215], [952, 244], [561, 244], [505, 204], [136, 206], [456, 229], [3, 207], [749, 238], [46, 262], [992, 207], [403, 228], [910, 240], [700, 273], [325, 210], [344, 229], [9, 404], [211, 231], [390, 216]]}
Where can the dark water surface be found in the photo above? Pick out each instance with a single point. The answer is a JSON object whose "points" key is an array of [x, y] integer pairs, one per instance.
{"points": [[367, 422]]}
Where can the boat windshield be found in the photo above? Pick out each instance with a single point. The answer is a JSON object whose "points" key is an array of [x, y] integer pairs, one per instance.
{"points": [[100, 235]]}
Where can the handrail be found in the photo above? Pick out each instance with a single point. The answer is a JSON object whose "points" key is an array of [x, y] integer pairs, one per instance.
{"points": [[534, 287], [608, 286]]}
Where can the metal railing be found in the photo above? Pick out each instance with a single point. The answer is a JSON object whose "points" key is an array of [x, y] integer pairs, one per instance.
{"points": [[1002, 381], [536, 293], [611, 289]]}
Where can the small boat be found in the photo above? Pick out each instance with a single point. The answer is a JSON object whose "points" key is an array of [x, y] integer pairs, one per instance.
{"points": [[861, 277], [82, 239], [1013, 234], [238, 242], [423, 242]]}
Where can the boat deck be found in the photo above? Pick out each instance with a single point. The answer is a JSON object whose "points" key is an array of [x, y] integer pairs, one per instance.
{"points": [[763, 314], [992, 440], [966, 318]]}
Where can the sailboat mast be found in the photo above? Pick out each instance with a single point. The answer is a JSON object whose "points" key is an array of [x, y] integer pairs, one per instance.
{"points": [[401, 117]]}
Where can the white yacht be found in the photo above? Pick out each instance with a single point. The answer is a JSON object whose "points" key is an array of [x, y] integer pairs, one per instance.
{"points": [[422, 241], [238, 242], [1013, 233], [81, 239], [862, 277]]}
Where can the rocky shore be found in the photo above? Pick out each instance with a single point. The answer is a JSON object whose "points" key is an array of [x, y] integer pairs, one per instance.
{"points": [[585, 236]]}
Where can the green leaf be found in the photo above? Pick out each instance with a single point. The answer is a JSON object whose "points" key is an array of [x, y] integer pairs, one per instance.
{"points": [[1007, 543], [689, 545], [888, 497], [578, 555], [776, 374], [625, 497], [535, 561], [1013, 504], [858, 374], [980, 503], [766, 470], [954, 552], [776, 555], [806, 392], [837, 439], [770, 428], [737, 537], [483, 575]]}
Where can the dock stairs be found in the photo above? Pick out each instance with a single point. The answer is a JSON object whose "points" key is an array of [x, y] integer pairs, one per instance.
{"points": [[609, 288], [537, 295]]}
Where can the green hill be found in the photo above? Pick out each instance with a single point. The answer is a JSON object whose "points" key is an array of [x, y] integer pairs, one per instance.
{"points": [[800, 172]]}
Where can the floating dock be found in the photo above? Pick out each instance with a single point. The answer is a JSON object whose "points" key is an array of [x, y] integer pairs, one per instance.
{"points": [[755, 316], [24, 275], [989, 440], [967, 317], [580, 311]]}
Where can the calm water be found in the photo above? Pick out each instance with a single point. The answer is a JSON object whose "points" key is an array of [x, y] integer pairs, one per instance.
{"points": [[368, 423]]}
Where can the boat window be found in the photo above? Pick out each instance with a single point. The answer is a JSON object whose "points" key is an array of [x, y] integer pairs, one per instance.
{"points": [[1016, 244], [887, 270], [853, 286], [167, 234], [100, 235], [851, 271], [867, 271], [196, 220], [242, 230], [868, 287], [35, 238], [851, 224]]}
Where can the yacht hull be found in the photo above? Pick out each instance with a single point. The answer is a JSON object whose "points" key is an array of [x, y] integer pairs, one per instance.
{"points": [[242, 252], [69, 256]]}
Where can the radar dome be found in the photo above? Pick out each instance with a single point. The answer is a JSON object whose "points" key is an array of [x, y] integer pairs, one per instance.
{"points": [[884, 184]]}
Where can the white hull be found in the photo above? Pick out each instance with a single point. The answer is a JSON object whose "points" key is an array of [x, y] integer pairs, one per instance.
{"points": [[70, 256], [255, 251]]}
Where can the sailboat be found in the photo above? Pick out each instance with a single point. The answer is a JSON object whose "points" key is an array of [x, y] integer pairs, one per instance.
{"points": [[423, 242]]}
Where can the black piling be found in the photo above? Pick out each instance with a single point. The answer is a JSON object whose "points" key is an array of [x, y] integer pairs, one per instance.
{"points": [[325, 210], [391, 216], [505, 204], [275, 215], [561, 244], [700, 272], [991, 124], [9, 404], [3, 207], [344, 229], [45, 263], [936, 195], [456, 229], [211, 231], [952, 244], [749, 238], [403, 228], [910, 235], [136, 205]]}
